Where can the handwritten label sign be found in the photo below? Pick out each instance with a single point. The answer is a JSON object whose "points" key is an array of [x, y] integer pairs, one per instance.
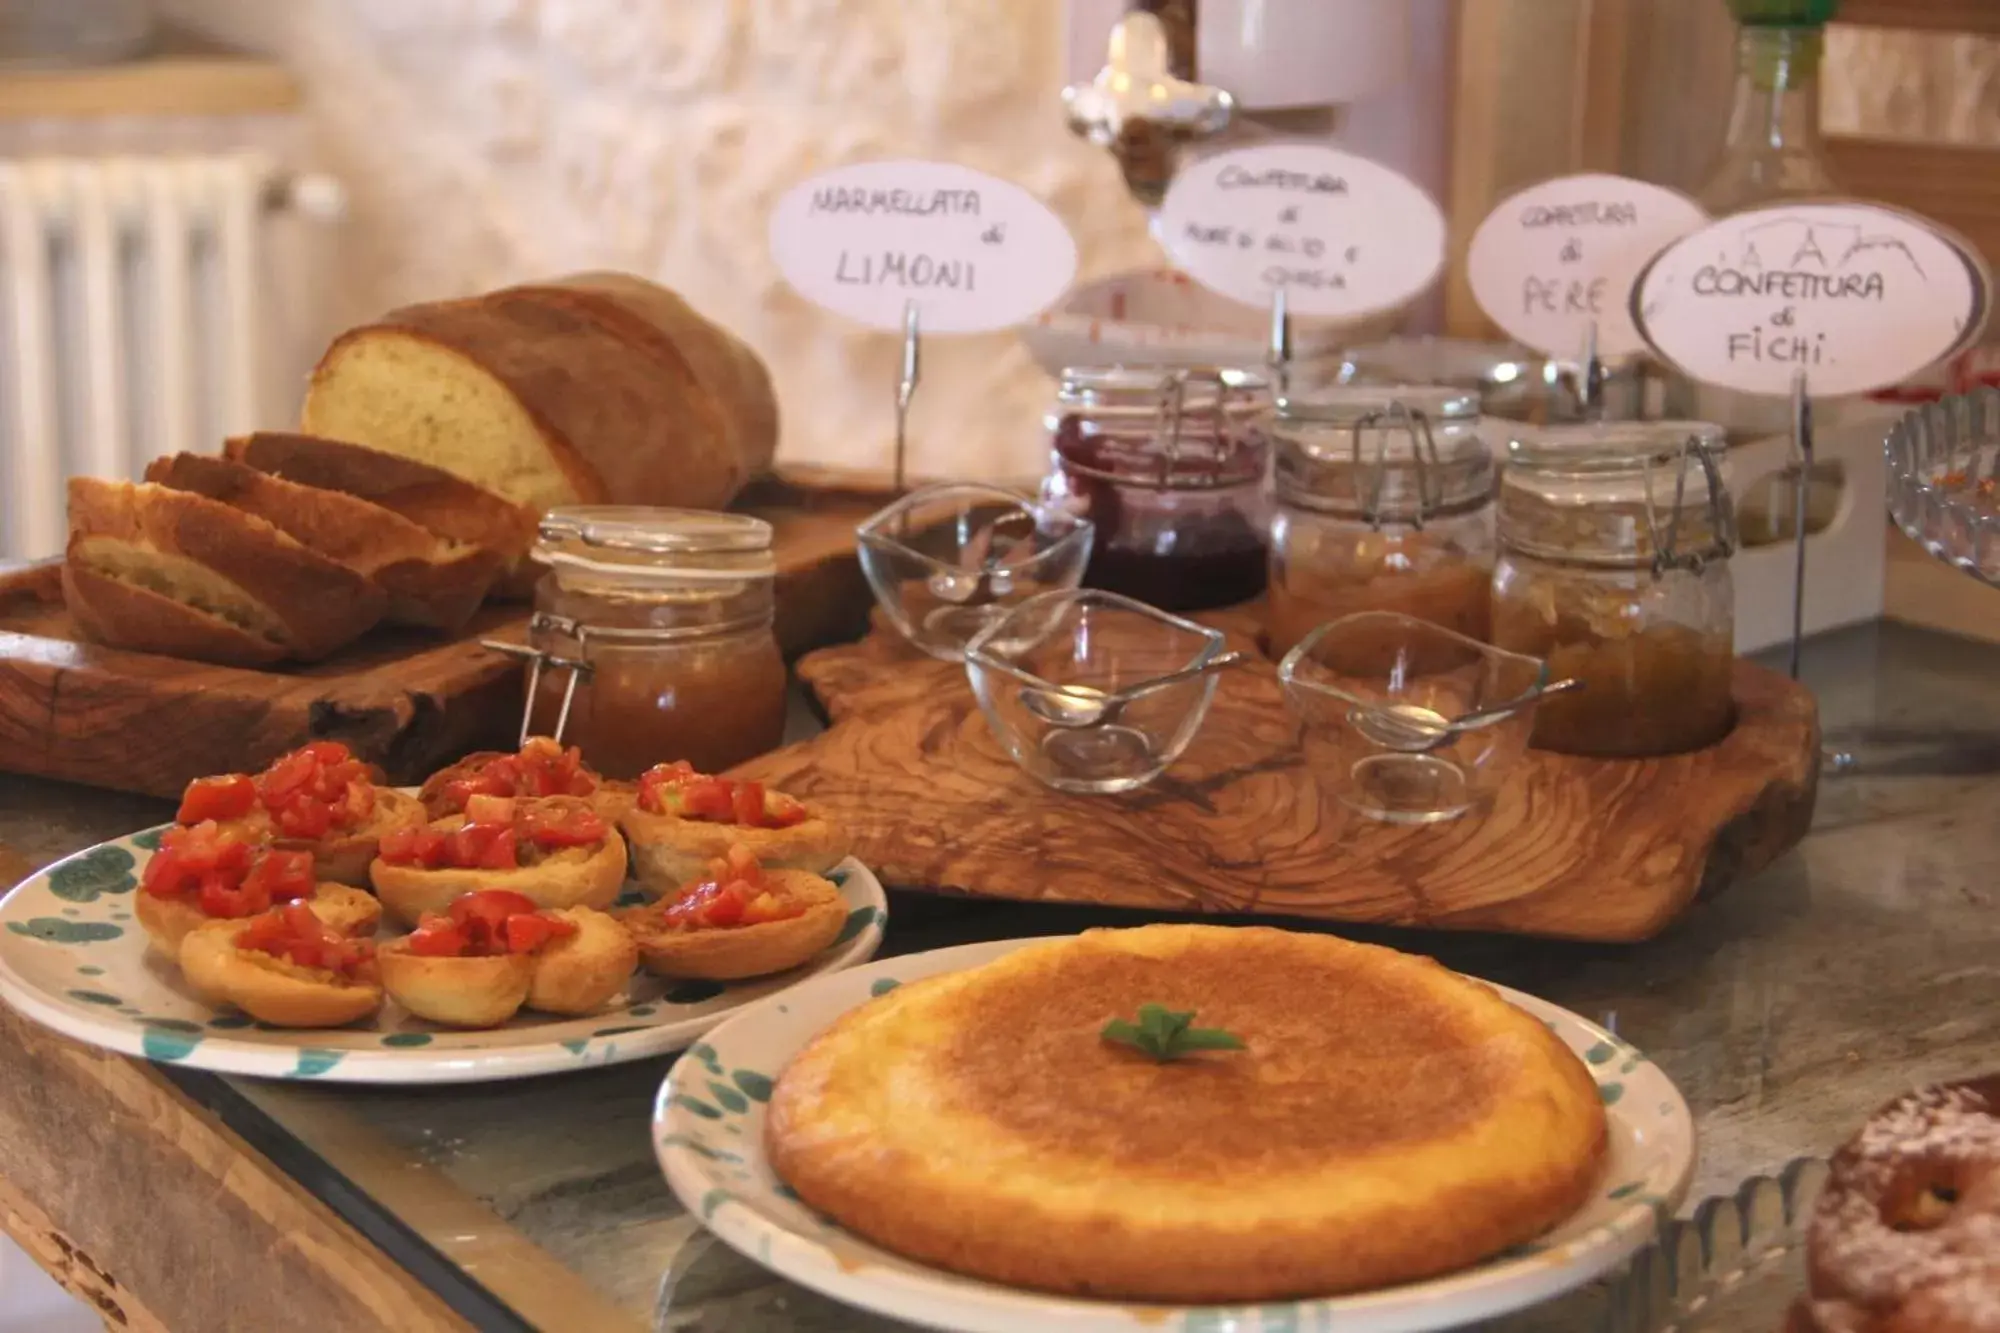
{"points": [[1857, 296], [1558, 257], [1345, 237], [973, 251]]}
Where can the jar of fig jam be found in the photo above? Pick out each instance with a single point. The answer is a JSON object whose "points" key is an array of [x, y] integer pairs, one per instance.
{"points": [[1615, 541], [670, 612], [1384, 503], [1168, 465]]}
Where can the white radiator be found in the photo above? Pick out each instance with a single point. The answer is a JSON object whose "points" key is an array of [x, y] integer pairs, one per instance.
{"points": [[137, 317]]}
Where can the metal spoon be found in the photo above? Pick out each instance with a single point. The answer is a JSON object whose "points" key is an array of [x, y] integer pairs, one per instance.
{"points": [[1075, 707], [1003, 536], [1414, 729]]}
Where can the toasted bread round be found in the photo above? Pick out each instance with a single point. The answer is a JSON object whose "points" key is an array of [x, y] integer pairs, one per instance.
{"points": [[730, 953], [668, 851], [479, 992], [1386, 1120], [580, 974], [271, 989], [572, 877], [167, 921]]}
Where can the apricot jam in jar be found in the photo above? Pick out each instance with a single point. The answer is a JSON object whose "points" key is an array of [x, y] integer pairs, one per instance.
{"points": [[1614, 568], [1168, 465], [1384, 503], [671, 612]]}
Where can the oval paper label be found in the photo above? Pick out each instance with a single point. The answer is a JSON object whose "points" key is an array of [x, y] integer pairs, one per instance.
{"points": [[1344, 236], [1857, 296], [973, 251], [1558, 257]]}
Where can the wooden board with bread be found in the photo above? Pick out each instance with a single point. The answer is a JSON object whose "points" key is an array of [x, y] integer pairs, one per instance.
{"points": [[335, 581]]}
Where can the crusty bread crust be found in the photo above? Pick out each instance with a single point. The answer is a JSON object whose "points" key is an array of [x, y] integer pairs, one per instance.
{"points": [[668, 851], [479, 992], [732, 953], [125, 615], [315, 605], [620, 419], [428, 581], [271, 989], [447, 505], [407, 892], [580, 974]]}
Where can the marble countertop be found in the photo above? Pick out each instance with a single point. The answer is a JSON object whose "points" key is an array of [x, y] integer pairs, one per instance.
{"points": [[1787, 1009]]}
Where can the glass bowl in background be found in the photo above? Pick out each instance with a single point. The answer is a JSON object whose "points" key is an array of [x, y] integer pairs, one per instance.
{"points": [[946, 561], [1944, 481], [1407, 722], [1093, 692]]}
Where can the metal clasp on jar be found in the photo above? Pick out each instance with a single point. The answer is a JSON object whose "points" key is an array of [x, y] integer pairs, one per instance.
{"points": [[540, 659], [1423, 453], [1721, 514]]}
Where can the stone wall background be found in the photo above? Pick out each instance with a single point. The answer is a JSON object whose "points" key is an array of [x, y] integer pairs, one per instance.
{"points": [[485, 141]]}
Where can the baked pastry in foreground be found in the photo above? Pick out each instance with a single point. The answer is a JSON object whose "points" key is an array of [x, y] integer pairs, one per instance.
{"points": [[201, 874], [556, 851], [738, 920], [541, 767], [681, 820], [1906, 1235], [1384, 1120], [285, 967], [317, 798]]}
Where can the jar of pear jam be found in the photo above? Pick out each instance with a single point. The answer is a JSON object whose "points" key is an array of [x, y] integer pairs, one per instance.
{"points": [[670, 611], [1384, 503], [1614, 567]]}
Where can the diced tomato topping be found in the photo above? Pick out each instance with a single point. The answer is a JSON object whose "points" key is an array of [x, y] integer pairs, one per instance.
{"points": [[558, 826], [734, 893], [223, 875], [316, 789], [676, 789], [485, 809], [483, 847], [295, 933], [226, 797], [542, 768], [485, 841], [526, 933], [489, 922], [438, 937]]}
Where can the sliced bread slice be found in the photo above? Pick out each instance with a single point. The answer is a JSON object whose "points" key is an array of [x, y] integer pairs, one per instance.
{"points": [[429, 581], [449, 506], [211, 560]]}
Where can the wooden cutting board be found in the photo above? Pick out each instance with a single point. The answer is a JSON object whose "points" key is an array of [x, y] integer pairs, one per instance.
{"points": [[1572, 848], [404, 699]]}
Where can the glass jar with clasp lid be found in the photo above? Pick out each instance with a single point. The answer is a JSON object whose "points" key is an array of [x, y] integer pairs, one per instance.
{"points": [[657, 635], [1615, 541], [1384, 503], [1168, 465]]}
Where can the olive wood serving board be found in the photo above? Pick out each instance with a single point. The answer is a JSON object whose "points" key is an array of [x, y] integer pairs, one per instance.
{"points": [[404, 699], [1602, 850]]}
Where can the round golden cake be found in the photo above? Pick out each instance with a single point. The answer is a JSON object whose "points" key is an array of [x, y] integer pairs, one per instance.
{"points": [[1386, 1120]]}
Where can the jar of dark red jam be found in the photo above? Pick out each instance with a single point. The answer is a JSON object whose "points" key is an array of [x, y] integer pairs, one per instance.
{"points": [[1169, 466]]}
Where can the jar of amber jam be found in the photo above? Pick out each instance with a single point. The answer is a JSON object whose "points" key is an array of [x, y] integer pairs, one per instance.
{"points": [[1168, 465], [670, 611], [1384, 503], [1614, 567]]}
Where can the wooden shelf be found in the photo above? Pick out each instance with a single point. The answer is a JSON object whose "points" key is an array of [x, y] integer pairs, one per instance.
{"points": [[183, 76], [1975, 16], [1957, 186]]}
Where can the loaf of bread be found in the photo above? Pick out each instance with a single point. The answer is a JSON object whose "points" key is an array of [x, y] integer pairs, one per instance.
{"points": [[594, 389], [161, 570], [429, 581], [448, 506]]}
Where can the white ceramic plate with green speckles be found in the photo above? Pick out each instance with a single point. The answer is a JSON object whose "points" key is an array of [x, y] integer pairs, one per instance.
{"points": [[73, 959], [708, 1131]]}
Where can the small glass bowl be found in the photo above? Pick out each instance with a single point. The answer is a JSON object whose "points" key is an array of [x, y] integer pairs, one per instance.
{"points": [[948, 560], [1073, 685], [1410, 723]]}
